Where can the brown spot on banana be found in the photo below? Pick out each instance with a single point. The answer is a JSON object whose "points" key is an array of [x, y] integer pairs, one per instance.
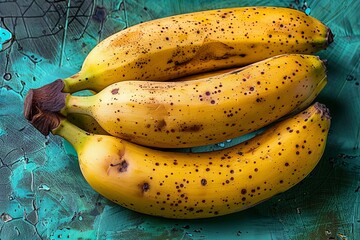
{"points": [[209, 50], [190, 128], [145, 187], [126, 136], [115, 91], [122, 166], [160, 124], [203, 182]]}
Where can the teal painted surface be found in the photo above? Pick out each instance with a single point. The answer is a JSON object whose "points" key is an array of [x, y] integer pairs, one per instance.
{"points": [[42, 192], [5, 37]]}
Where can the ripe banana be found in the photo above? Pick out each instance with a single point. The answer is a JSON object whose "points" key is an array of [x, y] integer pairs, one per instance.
{"points": [[200, 185], [205, 75], [86, 123], [203, 111], [187, 44], [90, 125]]}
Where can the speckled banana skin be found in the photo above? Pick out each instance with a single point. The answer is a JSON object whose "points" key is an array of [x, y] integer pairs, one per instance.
{"points": [[201, 185], [86, 123], [182, 45], [204, 111], [89, 124]]}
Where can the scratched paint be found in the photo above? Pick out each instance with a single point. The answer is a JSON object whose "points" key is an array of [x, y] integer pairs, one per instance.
{"points": [[5, 37], [42, 192]]}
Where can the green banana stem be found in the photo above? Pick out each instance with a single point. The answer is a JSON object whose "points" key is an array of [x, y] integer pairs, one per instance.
{"points": [[77, 104], [73, 134]]}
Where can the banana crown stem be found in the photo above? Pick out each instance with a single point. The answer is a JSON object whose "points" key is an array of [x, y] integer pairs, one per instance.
{"points": [[42, 104]]}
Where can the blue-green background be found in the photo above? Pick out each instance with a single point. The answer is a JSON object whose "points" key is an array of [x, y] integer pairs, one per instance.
{"points": [[42, 192]]}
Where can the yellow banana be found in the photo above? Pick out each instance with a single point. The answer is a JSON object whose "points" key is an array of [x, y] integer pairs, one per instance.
{"points": [[205, 75], [89, 124], [203, 111], [86, 123], [200, 185], [187, 44]]}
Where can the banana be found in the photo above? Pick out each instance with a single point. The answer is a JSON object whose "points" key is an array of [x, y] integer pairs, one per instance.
{"points": [[89, 124], [86, 123], [182, 45], [203, 111], [200, 185], [205, 74]]}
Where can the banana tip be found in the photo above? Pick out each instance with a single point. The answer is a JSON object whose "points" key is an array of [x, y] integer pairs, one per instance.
{"points": [[323, 110], [325, 62], [330, 37]]}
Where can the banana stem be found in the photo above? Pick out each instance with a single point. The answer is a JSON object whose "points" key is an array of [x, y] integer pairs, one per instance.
{"points": [[329, 37], [73, 134], [76, 82], [77, 104]]}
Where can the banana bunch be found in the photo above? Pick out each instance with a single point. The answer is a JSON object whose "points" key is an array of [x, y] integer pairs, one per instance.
{"points": [[232, 71]]}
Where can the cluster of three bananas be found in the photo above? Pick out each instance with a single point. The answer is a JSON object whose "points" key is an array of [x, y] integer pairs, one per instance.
{"points": [[279, 79]]}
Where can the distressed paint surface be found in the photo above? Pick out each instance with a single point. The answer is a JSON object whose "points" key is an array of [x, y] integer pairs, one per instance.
{"points": [[42, 192]]}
